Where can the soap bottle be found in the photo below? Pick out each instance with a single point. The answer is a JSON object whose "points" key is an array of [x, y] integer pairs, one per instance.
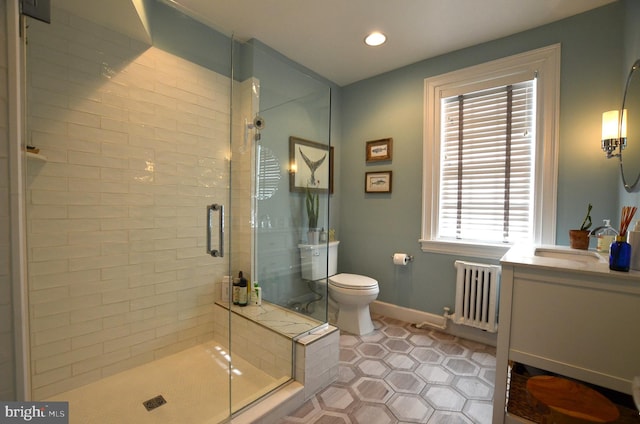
{"points": [[634, 241], [323, 236], [242, 290], [605, 237], [256, 295], [224, 288], [235, 293]]}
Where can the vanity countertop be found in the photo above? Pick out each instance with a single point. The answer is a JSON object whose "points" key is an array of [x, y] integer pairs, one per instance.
{"points": [[564, 258]]}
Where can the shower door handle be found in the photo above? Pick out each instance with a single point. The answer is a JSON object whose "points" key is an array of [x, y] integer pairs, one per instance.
{"points": [[210, 209]]}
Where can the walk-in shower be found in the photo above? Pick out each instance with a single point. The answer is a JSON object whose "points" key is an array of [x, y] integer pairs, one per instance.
{"points": [[137, 131]]}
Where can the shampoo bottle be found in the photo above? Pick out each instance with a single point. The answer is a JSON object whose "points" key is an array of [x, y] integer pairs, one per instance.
{"points": [[242, 291], [224, 288], [235, 293], [256, 295]]}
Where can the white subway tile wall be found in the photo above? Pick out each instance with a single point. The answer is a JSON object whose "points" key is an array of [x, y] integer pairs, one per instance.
{"points": [[137, 143], [7, 361]]}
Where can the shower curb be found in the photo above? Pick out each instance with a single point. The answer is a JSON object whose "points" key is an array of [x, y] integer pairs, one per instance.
{"points": [[275, 406]]}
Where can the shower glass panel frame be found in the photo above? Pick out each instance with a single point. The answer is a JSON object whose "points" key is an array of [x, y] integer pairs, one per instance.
{"points": [[272, 99], [288, 102]]}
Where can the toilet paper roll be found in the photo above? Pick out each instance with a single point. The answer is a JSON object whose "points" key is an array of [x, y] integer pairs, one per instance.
{"points": [[400, 258]]}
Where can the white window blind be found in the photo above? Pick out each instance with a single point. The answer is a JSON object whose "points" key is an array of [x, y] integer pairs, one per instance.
{"points": [[487, 165]]}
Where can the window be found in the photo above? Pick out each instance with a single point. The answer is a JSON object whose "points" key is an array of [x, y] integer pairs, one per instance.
{"points": [[486, 173], [490, 155]]}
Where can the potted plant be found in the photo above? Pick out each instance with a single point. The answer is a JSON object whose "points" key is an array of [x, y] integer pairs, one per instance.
{"points": [[312, 201], [579, 239]]}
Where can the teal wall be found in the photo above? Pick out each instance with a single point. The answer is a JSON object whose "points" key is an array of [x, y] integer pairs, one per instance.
{"points": [[176, 33], [373, 227]]}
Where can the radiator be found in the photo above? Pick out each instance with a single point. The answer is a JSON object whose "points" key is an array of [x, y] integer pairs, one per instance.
{"points": [[477, 291]]}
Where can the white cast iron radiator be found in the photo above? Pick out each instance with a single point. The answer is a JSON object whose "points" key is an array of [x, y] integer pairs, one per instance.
{"points": [[477, 291]]}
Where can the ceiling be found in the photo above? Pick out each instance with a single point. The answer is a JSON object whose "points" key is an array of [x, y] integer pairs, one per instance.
{"points": [[327, 36]]}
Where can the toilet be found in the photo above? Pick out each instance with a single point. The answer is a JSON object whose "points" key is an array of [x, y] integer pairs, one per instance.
{"points": [[351, 293]]}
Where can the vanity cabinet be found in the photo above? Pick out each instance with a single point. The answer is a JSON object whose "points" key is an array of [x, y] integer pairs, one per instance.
{"points": [[567, 317]]}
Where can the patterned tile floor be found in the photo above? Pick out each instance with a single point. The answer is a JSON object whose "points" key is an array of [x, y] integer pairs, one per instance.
{"points": [[401, 374]]}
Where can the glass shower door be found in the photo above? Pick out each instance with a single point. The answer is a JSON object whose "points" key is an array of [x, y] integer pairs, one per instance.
{"points": [[131, 143]]}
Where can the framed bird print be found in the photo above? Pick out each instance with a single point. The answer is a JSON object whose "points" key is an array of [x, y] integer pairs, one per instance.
{"points": [[310, 165]]}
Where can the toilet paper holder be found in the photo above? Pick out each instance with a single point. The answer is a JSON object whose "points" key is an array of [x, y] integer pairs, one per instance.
{"points": [[408, 257]]}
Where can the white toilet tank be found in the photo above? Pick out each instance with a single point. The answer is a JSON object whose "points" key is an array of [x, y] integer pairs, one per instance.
{"points": [[313, 260]]}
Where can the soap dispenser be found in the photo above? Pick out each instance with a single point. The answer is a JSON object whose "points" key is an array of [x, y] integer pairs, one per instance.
{"points": [[605, 237]]}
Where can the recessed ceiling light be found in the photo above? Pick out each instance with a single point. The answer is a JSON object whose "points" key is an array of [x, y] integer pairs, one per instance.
{"points": [[375, 39]]}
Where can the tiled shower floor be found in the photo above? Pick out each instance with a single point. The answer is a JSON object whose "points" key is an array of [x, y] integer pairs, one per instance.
{"points": [[401, 374], [194, 383]]}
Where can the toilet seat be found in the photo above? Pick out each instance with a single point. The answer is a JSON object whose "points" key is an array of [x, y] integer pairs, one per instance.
{"points": [[352, 282]]}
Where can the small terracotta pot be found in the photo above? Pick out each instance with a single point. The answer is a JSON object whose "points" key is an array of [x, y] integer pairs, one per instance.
{"points": [[579, 239]]}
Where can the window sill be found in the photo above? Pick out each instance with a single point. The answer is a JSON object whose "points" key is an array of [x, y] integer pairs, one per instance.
{"points": [[475, 250]]}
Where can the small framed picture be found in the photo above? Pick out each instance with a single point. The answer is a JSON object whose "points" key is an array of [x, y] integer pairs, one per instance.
{"points": [[378, 150], [377, 182]]}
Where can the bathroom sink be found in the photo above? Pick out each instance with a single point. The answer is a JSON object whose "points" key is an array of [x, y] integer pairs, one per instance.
{"points": [[558, 257], [570, 254]]}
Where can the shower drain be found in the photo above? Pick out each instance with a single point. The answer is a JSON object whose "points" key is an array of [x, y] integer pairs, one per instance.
{"points": [[153, 403]]}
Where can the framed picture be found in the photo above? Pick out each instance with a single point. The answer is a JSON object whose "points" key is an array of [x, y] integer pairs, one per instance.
{"points": [[311, 165], [377, 182], [378, 150]]}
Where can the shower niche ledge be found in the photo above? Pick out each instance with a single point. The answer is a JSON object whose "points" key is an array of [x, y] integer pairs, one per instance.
{"points": [[36, 156]]}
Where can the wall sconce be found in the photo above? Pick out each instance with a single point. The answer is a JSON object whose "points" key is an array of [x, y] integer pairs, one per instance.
{"points": [[611, 137]]}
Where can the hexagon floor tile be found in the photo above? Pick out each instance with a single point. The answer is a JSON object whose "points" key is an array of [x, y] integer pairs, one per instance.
{"points": [[402, 374]]}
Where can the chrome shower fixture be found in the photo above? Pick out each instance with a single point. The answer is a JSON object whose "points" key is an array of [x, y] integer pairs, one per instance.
{"points": [[257, 124]]}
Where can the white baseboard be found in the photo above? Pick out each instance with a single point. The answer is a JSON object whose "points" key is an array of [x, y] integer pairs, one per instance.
{"points": [[405, 314], [437, 322]]}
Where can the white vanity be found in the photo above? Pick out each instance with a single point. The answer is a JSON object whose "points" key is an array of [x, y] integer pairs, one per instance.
{"points": [[562, 310]]}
